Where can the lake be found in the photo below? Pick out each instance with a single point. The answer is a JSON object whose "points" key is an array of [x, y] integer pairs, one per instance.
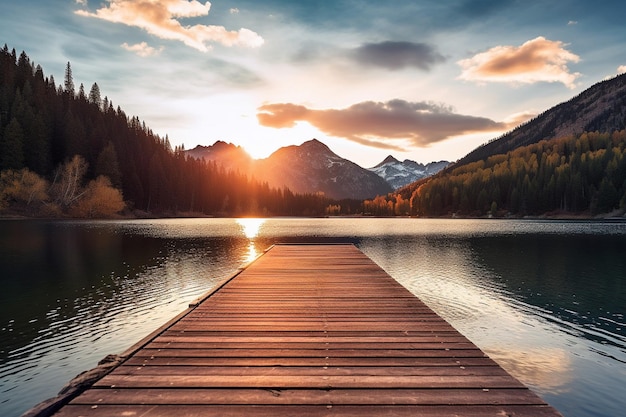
{"points": [[545, 299]]}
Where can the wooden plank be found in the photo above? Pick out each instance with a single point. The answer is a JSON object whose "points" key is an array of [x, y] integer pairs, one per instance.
{"points": [[336, 340], [310, 396], [321, 361], [309, 370], [115, 380], [193, 343], [388, 335], [308, 330], [330, 410], [311, 353]]}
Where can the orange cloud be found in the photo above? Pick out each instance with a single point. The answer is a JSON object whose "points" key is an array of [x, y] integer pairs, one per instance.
{"points": [[377, 124], [161, 19], [517, 119], [534, 61]]}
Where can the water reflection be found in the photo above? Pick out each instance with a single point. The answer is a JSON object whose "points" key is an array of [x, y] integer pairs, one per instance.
{"points": [[547, 300], [547, 368], [251, 228], [447, 276], [548, 307], [578, 285], [75, 292]]}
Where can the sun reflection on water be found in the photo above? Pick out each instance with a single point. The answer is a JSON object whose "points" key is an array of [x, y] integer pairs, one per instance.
{"points": [[250, 228]]}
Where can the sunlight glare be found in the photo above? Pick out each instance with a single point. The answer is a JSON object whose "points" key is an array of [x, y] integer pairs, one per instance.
{"points": [[251, 226]]}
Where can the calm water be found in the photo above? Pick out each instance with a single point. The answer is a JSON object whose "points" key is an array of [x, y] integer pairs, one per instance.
{"points": [[547, 300]]}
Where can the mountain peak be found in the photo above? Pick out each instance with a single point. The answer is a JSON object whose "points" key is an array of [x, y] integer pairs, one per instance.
{"points": [[388, 160], [218, 146], [229, 155], [221, 144], [313, 168], [315, 144], [398, 174]]}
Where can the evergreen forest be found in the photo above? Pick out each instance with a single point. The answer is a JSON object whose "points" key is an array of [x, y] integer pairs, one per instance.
{"points": [[66, 151], [579, 174]]}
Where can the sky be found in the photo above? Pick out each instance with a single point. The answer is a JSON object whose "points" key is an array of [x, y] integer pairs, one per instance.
{"points": [[420, 80]]}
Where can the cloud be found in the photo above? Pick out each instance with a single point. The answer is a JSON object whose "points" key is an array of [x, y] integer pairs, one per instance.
{"points": [[234, 10], [142, 49], [620, 70], [572, 23], [394, 55], [537, 60], [161, 19], [378, 124], [389, 55], [517, 119]]}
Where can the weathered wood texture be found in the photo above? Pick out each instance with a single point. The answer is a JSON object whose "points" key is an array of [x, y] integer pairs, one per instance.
{"points": [[309, 330]]}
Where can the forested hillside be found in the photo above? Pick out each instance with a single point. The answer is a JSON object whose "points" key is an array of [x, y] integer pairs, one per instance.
{"points": [[568, 160], [44, 126], [600, 108], [583, 173]]}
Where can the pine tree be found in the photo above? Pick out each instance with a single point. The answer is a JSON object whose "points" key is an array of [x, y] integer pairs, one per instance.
{"points": [[24, 69], [37, 147], [69, 80], [108, 165], [94, 95], [12, 146]]}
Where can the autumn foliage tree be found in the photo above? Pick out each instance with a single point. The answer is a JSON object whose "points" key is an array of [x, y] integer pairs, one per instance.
{"points": [[99, 200], [23, 189], [25, 192], [574, 174]]}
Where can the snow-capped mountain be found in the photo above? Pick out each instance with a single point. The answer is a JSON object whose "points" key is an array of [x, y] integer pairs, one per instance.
{"points": [[398, 174]]}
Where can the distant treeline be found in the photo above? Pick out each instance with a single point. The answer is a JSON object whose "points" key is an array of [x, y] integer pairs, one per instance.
{"points": [[43, 126], [583, 173]]}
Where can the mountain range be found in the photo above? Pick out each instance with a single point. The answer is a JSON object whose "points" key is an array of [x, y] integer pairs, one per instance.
{"points": [[398, 174], [313, 168], [227, 155], [571, 159]]}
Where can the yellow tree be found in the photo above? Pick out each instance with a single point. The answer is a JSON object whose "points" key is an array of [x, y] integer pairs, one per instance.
{"points": [[99, 200], [22, 188]]}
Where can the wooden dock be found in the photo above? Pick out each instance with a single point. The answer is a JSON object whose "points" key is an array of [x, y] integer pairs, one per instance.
{"points": [[308, 330]]}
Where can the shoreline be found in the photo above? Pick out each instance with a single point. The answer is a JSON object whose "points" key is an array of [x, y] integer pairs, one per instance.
{"points": [[546, 216]]}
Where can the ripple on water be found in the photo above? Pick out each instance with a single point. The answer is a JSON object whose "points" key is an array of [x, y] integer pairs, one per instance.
{"points": [[553, 340]]}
